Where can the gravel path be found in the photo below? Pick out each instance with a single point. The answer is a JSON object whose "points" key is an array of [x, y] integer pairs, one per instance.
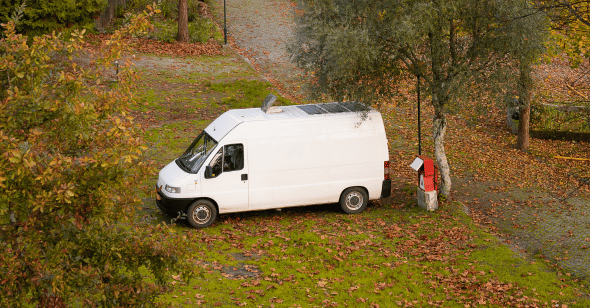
{"points": [[259, 30]]}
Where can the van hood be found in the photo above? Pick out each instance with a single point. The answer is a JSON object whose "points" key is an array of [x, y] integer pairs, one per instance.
{"points": [[171, 174]]}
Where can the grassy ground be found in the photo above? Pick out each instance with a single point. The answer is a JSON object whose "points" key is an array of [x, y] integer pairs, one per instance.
{"points": [[394, 254]]}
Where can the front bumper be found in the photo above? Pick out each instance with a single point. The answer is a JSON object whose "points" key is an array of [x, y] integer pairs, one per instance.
{"points": [[171, 205]]}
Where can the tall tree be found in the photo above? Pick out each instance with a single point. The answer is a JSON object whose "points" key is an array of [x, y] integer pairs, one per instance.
{"points": [[182, 21], [528, 34], [355, 49]]}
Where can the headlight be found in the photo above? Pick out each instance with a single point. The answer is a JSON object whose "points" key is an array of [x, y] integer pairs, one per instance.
{"points": [[173, 190]]}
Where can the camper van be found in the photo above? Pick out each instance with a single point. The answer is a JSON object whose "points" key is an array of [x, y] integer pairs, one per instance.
{"points": [[279, 156]]}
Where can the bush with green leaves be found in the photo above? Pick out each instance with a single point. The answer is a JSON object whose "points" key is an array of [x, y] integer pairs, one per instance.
{"points": [[169, 8], [200, 30], [71, 160], [42, 16]]}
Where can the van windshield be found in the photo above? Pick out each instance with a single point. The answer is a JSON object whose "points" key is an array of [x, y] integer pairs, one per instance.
{"points": [[193, 158]]}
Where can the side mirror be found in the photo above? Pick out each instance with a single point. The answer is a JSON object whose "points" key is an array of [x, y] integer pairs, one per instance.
{"points": [[208, 172]]}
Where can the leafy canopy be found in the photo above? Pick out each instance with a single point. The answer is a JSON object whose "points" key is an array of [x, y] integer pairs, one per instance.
{"points": [[357, 49], [70, 164], [41, 16], [570, 28]]}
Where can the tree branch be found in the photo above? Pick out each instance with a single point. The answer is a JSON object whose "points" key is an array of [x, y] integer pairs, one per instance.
{"points": [[575, 12]]}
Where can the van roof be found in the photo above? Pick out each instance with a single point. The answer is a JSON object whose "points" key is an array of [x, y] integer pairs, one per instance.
{"points": [[231, 118], [297, 111]]}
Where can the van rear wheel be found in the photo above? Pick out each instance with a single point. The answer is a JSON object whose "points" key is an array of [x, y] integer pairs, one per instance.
{"points": [[201, 214], [354, 200]]}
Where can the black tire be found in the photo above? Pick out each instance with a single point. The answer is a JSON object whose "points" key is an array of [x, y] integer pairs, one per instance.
{"points": [[354, 200], [201, 214]]}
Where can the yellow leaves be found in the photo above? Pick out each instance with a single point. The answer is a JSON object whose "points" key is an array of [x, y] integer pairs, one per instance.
{"points": [[13, 159]]}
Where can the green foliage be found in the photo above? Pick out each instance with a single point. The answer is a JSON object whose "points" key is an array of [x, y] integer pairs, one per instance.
{"points": [[71, 158], [547, 118], [570, 26], [357, 48], [45, 16], [164, 30], [200, 30], [169, 8]]}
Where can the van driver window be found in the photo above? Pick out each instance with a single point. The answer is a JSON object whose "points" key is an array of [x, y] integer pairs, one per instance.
{"points": [[233, 158], [230, 157]]}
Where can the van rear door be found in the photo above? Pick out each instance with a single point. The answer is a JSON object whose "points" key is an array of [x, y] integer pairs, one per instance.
{"points": [[228, 184]]}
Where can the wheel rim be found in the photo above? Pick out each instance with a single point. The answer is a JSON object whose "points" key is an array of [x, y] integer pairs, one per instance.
{"points": [[202, 214], [354, 200]]}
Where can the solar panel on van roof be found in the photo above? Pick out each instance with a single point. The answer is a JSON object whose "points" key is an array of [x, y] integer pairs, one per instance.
{"points": [[333, 107], [354, 106], [312, 109]]}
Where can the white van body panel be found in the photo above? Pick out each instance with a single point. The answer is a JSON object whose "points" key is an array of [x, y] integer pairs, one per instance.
{"points": [[291, 158], [174, 176]]}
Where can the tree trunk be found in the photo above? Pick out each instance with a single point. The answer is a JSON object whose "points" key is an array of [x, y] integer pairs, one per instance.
{"points": [[439, 130], [439, 92], [525, 83], [182, 21]]}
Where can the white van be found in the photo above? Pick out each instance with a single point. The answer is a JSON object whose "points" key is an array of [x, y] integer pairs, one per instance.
{"points": [[276, 157]]}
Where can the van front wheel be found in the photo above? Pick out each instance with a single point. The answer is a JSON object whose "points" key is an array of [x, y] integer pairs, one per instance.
{"points": [[354, 200], [201, 214]]}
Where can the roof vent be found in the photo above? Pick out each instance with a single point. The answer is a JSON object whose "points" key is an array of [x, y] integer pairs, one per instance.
{"points": [[267, 103]]}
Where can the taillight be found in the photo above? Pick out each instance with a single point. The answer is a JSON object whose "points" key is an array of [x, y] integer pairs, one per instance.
{"points": [[386, 170]]}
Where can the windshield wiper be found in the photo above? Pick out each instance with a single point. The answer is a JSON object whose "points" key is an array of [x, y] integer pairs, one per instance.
{"points": [[181, 164]]}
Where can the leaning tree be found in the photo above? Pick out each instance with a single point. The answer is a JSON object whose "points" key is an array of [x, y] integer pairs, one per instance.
{"points": [[356, 48]]}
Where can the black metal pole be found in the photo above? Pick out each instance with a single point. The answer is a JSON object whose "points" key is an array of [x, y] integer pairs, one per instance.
{"points": [[419, 116], [224, 24]]}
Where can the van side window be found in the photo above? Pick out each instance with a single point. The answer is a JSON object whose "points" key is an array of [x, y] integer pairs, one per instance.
{"points": [[233, 158], [227, 159]]}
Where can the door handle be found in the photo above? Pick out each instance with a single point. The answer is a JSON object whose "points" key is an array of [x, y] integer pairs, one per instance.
{"points": [[244, 177]]}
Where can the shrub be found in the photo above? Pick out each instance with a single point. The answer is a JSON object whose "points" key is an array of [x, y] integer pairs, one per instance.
{"points": [[200, 30], [70, 161], [41, 16]]}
